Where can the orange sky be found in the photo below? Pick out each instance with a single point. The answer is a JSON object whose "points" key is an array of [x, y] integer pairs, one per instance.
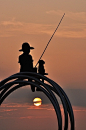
{"points": [[18, 116], [34, 21], [23, 22], [27, 117]]}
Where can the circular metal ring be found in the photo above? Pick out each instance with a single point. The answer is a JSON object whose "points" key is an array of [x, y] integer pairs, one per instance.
{"points": [[6, 87]]}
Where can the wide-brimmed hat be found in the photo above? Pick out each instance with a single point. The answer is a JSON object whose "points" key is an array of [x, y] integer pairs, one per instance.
{"points": [[26, 46], [41, 62]]}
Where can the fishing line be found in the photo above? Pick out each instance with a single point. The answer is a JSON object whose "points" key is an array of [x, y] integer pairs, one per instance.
{"points": [[50, 39]]}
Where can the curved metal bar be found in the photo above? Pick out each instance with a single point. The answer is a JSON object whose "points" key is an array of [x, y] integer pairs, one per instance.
{"points": [[46, 93], [66, 119], [55, 87], [6, 87], [64, 106], [69, 107], [62, 99], [68, 104]]}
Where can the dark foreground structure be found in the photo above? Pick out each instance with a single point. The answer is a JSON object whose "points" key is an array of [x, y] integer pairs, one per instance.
{"points": [[50, 89]]}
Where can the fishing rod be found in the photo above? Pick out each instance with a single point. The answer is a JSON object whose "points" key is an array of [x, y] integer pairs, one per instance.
{"points": [[50, 39]]}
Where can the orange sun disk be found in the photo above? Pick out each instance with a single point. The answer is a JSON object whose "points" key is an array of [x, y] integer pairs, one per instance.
{"points": [[37, 101]]}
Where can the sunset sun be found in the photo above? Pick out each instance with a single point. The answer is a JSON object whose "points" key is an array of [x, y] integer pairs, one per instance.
{"points": [[37, 101]]}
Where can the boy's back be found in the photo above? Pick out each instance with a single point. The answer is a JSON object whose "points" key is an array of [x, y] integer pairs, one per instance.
{"points": [[26, 63]]}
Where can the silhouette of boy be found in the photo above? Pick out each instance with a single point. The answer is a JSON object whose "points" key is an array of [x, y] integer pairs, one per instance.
{"points": [[26, 61]]}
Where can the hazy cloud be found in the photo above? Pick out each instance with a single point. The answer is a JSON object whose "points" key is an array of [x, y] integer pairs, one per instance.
{"points": [[13, 28], [72, 29], [54, 12], [77, 96], [26, 117], [12, 22], [25, 95], [74, 23], [24, 98], [73, 15], [7, 110]]}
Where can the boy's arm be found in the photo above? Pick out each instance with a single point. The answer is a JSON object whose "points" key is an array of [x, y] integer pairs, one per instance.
{"points": [[19, 61]]}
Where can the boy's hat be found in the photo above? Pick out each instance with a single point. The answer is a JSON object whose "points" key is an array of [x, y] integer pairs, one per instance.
{"points": [[26, 46], [41, 62]]}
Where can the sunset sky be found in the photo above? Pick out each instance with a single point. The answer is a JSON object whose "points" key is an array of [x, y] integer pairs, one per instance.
{"points": [[34, 21]]}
